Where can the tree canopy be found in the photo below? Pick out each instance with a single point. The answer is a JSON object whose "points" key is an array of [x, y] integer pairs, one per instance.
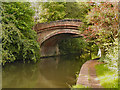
{"points": [[18, 38], [103, 24], [52, 11]]}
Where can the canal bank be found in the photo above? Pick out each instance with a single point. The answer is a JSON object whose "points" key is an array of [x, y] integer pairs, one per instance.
{"points": [[87, 76]]}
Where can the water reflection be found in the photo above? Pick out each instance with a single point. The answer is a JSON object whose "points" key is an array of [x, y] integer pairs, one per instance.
{"points": [[52, 72]]}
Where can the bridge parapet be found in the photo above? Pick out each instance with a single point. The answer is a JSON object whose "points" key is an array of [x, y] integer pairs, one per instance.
{"points": [[60, 24]]}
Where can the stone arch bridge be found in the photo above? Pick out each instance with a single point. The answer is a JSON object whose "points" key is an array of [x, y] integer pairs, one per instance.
{"points": [[49, 34]]}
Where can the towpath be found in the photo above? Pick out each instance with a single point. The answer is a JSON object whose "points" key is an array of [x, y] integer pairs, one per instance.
{"points": [[87, 75]]}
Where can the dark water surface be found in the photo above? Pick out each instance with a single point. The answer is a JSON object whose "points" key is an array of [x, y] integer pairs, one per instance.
{"points": [[52, 72]]}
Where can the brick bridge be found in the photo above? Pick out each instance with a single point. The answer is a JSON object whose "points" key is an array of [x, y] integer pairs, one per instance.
{"points": [[49, 34]]}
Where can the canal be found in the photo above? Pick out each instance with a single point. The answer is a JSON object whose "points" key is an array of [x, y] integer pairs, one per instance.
{"points": [[52, 72]]}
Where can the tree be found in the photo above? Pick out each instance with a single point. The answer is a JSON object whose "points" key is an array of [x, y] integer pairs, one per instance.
{"points": [[103, 23], [76, 10], [52, 11], [18, 38]]}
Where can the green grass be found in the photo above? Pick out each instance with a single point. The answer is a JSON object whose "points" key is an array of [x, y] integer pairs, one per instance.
{"points": [[108, 78], [80, 86]]}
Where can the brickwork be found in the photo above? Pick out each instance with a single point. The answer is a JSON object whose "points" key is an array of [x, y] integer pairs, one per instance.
{"points": [[65, 24], [47, 31]]}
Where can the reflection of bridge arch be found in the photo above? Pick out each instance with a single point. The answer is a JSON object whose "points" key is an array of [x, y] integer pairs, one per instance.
{"points": [[50, 33]]}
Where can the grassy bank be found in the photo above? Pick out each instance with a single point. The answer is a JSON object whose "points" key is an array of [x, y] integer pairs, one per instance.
{"points": [[80, 86], [108, 77]]}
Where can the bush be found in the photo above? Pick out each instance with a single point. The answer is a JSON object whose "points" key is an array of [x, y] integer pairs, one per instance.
{"points": [[111, 58], [18, 38]]}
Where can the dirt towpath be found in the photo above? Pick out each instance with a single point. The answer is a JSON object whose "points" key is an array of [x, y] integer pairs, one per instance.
{"points": [[87, 75]]}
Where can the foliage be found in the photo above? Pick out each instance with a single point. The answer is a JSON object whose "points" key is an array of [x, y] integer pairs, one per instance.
{"points": [[79, 86], [76, 10], [18, 38], [92, 49], [103, 24], [0, 53], [78, 46], [36, 7], [0, 44], [52, 11], [108, 78], [74, 45], [111, 58]]}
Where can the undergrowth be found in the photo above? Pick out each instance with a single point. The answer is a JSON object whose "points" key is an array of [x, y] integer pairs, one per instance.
{"points": [[108, 78]]}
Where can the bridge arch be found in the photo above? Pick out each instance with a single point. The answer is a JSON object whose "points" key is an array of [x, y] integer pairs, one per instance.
{"points": [[49, 34], [58, 32]]}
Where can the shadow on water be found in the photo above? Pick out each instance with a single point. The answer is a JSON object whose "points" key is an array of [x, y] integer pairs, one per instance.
{"points": [[52, 72]]}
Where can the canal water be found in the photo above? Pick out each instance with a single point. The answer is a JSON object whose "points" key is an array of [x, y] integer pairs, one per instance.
{"points": [[52, 72]]}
